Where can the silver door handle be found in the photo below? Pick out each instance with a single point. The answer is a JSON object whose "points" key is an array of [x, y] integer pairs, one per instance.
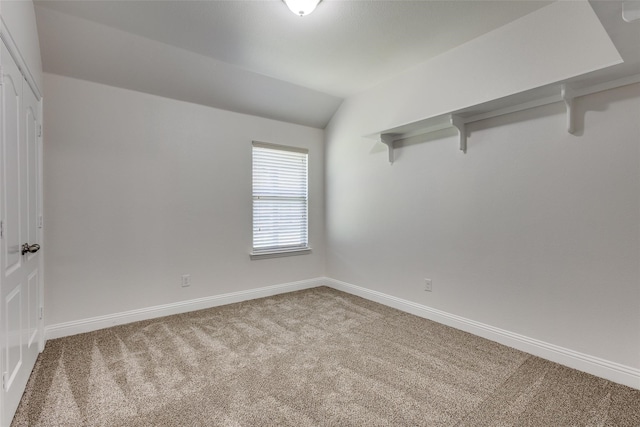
{"points": [[30, 248]]}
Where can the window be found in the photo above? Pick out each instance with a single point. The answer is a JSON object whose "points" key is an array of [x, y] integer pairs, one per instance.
{"points": [[280, 219]]}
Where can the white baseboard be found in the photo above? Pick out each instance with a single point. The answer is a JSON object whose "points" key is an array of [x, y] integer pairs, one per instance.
{"points": [[100, 322], [583, 362], [593, 365]]}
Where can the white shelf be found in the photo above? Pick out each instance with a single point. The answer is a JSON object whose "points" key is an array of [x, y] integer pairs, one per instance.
{"points": [[522, 101]]}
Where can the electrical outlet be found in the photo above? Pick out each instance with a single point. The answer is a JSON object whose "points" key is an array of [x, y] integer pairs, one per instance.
{"points": [[186, 280], [428, 285]]}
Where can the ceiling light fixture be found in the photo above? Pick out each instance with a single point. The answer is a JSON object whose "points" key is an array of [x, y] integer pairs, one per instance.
{"points": [[302, 7]]}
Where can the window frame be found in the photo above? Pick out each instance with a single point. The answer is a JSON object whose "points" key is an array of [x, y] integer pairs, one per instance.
{"points": [[282, 251]]}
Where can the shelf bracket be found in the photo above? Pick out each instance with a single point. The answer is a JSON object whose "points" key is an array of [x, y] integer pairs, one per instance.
{"points": [[388, 139], [567, 95], [458, 123]]}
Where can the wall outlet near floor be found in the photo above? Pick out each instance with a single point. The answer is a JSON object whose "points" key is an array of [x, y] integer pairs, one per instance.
{"points": [[428, 285], [186, 280]]}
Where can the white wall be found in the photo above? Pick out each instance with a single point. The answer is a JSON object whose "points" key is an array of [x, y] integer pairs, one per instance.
{"points": [[141, 189], [20, 18], [534, 230]]}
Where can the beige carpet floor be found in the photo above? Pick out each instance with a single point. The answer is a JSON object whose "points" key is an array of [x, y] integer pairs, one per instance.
{"points": [[317, 357]]}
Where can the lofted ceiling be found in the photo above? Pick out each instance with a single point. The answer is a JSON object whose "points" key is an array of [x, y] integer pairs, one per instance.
{"points": [[256, 57]]}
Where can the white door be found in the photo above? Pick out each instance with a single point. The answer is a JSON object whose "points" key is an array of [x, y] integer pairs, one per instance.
{"points": [[19, 234]]}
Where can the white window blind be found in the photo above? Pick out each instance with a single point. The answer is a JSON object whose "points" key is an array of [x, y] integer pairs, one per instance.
{"points": [[280, 218]]}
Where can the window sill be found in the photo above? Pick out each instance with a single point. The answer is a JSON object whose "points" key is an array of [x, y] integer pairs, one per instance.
{"points": [[278, 254]]}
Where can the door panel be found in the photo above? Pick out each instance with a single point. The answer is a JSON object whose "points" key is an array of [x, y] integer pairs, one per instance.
{"points": [[31, 129], [13, 335], [12, 272], [19, 213], [33, 309], [31, 178], [12, 90]]}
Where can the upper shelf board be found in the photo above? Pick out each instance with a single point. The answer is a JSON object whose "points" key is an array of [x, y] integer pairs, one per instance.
{"points": [[521, 101]]}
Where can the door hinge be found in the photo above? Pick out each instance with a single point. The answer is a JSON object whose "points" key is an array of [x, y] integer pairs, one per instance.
{"points": [[39, 130], [40, 221], [41, 313], [5, 377], [1, 229]]}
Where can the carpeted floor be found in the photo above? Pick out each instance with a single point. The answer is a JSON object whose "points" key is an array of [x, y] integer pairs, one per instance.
{"points": [[317, 357]]}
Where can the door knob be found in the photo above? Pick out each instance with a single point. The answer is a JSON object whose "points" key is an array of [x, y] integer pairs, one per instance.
{"points": [[30, 248]]}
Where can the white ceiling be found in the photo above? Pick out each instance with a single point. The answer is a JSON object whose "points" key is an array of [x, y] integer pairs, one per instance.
{"points": [[256, 57]]}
